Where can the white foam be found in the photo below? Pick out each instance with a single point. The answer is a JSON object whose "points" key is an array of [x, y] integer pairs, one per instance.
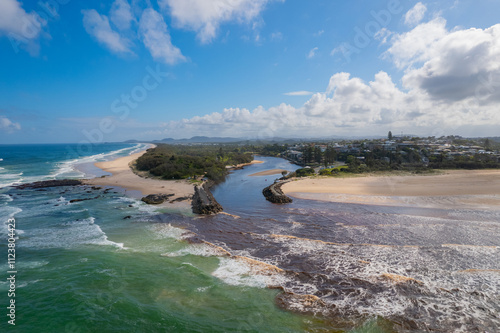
{"points": [[5, 198], [9, 179], [9, 212], [164, 231], [68, 235], [237, 272], [203, 250]]}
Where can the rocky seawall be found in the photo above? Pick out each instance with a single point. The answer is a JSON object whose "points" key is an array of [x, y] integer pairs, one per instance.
{"points": [[204, 202], [275, 195]]}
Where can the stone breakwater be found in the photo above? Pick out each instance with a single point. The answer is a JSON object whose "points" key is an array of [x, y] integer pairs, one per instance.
{"points": [[204, 202], [275, 195]]}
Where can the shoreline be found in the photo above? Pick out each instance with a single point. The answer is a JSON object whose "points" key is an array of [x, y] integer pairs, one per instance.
{"points": [[123, 176], [454, 188], [242, 165]]}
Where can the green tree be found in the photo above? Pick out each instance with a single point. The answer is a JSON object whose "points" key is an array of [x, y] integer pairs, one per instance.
{"points": [[487, 144], [318, 155], [330, 155], [308, 155]]}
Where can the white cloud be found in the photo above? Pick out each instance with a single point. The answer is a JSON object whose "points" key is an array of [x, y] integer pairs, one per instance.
{"points": [[299, 93], [156, 38], [312, 53], [121, 14], [7, 125], [21, 27], [416, 14], [383, 35], [417, 45], [204, 17], [450, 65], [451, 82], [98, 26]]}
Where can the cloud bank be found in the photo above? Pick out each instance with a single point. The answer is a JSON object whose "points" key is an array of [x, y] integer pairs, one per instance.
{"points": [[451, 79]]}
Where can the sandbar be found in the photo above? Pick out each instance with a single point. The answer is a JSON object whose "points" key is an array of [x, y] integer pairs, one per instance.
{"points": [[268, 172], [461, 188], [123, 176]]}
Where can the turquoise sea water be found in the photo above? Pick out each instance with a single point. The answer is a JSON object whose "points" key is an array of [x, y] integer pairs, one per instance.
{"points": [[115, 264], [82, 267]]}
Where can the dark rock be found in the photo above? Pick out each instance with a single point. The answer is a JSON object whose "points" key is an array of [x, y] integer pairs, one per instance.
{"points": [[204, 202], [131, 205], [127, 217], [179, 199], [78, 200], [156, 199], [50, 183], [275, 195]]}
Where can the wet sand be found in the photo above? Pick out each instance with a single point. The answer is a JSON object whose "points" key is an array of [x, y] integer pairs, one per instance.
{"points": [[123, 176], [453, 188]]}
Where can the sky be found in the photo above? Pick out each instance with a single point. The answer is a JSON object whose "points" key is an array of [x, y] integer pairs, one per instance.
{"points": [[74, 71]]}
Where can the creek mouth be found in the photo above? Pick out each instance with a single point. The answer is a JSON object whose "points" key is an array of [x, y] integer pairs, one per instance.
{"points": [[419, 269]]}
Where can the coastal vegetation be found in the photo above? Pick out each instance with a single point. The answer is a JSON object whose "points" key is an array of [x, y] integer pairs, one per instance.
{"points": [[183, 161]]}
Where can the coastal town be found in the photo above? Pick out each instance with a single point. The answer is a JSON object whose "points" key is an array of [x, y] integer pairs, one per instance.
{"points": [[397, 152]]}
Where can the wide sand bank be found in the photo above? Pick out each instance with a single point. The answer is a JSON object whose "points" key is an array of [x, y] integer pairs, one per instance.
{"points": [[453, 188]]}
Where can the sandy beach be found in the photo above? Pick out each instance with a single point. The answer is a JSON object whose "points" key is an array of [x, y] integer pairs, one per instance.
{"points": [[242, 165], [463, 188], [122, 176], [268, 172]]}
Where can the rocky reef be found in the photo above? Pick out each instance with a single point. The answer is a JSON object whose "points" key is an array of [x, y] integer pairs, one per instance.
{"points": [[50, 183], [156, 199], [204, 202], [275, 195]]}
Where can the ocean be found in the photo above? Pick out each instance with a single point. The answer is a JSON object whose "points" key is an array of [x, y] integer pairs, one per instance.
{"points": [[114, 264]]}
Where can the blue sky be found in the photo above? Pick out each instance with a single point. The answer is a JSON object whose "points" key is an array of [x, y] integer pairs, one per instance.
{"points": [[91, 71]]}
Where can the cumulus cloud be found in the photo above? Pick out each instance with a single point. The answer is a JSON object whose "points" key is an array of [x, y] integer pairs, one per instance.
{"points": [[22, 28], [156, 38], [97, 25], [8, 126], [417, 45], [121, 14], [205, 17], [416, 14], [452, 65], [451, 80]]}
